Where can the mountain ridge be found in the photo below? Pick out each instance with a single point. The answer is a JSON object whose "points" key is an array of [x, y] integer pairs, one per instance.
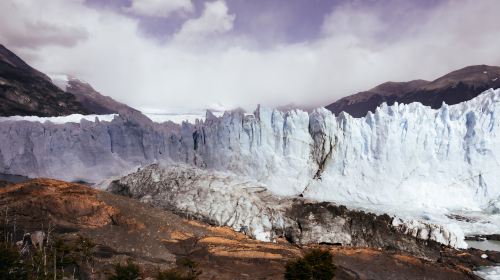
{"points": [[89, 97], [455, 87], [26, 91]]}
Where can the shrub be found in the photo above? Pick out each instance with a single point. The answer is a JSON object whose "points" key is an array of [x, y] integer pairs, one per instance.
{"points": [[48, 262], [186, 270], [129, 271], [170, 274], [11, 264], [315, 265]]}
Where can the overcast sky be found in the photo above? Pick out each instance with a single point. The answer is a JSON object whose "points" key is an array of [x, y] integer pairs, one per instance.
{"points": [[193, 54]]}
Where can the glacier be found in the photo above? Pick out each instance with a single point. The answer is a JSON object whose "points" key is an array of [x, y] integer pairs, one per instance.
{"points": [[409, 160]]}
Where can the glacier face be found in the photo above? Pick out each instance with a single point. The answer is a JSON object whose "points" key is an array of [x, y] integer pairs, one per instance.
{"points": [[74, 118], [413, 156], [408, 156], [402, 156]]}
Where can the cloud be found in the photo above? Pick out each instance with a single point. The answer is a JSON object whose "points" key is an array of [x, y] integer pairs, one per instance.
{"points": [[22, 26], [358, 48], [214, 20], [159, 8]]}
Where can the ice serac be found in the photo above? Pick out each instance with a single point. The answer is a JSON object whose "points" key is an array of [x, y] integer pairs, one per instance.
{"points": [[401, 156]]}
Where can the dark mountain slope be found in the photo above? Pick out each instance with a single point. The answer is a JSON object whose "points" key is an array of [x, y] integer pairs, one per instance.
{"points": [[91, 99], [455, 87], [26, 91]]}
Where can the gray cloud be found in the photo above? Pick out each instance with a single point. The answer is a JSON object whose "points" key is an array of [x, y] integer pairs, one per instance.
{"points": [[358, 48], [32, 30], [159, 8]]}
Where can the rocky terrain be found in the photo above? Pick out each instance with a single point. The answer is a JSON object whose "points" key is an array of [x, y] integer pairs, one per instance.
{"points": [[25, 91], [455, 87], [123, 228]]}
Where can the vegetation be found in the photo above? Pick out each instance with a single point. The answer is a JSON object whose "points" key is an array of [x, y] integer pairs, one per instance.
{"points": [[315, 265], [50, 258], [186, 270], [129, 271], [55, 260], [11, 265]]}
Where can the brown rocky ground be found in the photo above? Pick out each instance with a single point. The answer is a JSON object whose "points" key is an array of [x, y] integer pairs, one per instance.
{"points": [[124, 228], [4, 183]]}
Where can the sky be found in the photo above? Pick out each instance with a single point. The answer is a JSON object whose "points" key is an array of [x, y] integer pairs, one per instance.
{"points": [[186, 55]]}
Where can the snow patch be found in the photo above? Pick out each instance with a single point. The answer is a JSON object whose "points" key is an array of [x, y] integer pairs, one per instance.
{"points": [[74, 118], [60, 80]]}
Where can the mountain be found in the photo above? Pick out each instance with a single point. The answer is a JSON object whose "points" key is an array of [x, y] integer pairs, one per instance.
{"points": [[90, 99], [25, 91], [455, 87], [118, 228]]}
